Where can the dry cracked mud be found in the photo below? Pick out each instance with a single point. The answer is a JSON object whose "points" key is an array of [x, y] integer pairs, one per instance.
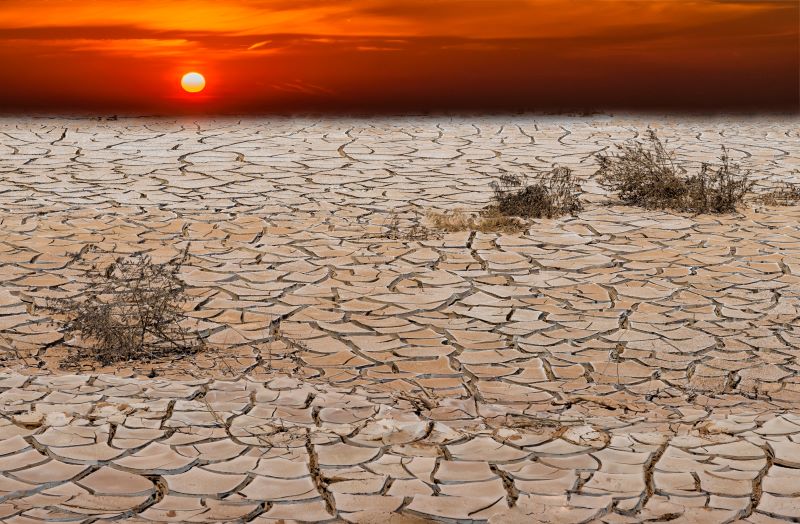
{"points": [[617, 366]]}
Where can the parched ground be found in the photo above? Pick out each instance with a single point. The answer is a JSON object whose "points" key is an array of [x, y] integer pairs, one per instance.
{"points": [[619, 366]]}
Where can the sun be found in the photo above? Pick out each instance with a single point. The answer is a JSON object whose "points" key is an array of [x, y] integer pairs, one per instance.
{"points": [[193, 82]]}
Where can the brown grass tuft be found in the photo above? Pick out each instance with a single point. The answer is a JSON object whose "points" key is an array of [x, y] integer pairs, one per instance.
{"points": [[486, 222], [452, 221]]}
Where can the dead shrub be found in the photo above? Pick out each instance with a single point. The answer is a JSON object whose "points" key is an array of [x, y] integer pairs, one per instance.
{"points": [[645, 175], [718, 189], [130, 311], [552, 194]]}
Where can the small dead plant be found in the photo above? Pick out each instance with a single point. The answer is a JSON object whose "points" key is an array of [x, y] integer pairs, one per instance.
{"points": [[416, 232], [788, 194], [552, 194], [644, 174], [130, 311]]}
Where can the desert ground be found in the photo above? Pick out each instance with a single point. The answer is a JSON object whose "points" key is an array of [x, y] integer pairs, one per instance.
{"points": [[620, 365]]}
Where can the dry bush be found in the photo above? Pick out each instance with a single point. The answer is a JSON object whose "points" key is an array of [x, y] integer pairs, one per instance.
{"points": [[786, 195], [644, 174], [130, 311], [718, 189], [552, 194]]}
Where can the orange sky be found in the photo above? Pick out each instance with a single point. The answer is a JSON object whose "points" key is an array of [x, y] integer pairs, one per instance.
{"points": [[399, 55]]}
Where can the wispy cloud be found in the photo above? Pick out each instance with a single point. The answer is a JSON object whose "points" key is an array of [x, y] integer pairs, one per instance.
{"points": [[259, 45], [299, 86], [462, 18]]}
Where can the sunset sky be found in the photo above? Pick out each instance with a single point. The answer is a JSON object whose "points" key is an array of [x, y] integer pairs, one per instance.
{"points": [[394, 56]]}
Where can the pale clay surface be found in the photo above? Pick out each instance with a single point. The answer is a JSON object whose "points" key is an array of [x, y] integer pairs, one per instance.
{"points": [[618, 366]]}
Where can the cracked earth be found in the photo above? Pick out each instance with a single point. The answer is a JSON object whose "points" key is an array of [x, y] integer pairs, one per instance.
{"points": [[617, 366]]}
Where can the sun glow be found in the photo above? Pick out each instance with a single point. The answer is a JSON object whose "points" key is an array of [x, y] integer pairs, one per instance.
{"points": [[193, 82]]}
